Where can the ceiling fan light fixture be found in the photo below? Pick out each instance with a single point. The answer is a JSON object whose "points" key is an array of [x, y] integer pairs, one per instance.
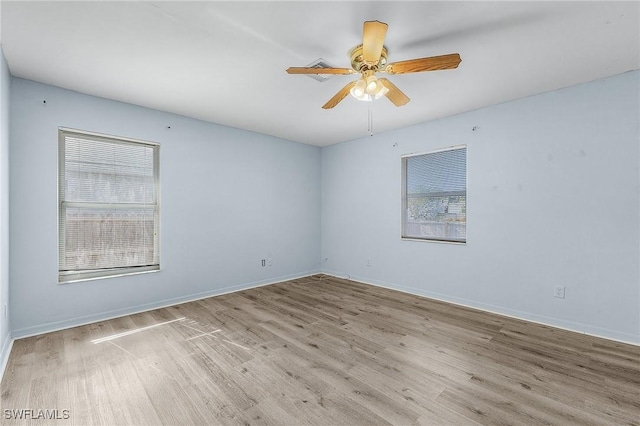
{"points": [[359, 90], [362, 96], [383, 91], [368, 88], [375, 89], [372, 84]]}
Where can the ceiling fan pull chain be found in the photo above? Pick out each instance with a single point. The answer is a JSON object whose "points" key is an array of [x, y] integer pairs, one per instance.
{"points": [[370, 118]]}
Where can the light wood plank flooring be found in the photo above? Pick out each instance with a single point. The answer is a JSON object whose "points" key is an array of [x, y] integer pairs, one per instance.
{"points": [[321, 351]]}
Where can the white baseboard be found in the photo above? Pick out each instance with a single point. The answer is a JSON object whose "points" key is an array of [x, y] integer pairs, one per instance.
{"points": [[4, 354], [602, 333], [21, 333], [523, 316]]}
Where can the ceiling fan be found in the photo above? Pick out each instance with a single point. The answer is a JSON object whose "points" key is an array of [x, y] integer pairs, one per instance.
{"points": [[371, 57]]}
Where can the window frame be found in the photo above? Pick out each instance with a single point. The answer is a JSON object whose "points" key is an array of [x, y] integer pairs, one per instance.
{"points": [[404, 197], [65, 277]]}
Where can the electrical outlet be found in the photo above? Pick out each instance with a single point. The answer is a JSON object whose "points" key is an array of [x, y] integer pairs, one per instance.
{"points": [[559, 291], [264, 262]]}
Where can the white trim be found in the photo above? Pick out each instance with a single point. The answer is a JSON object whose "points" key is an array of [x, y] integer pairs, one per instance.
{"points": [[106, 136], [431, 240], [449, 148], [598, 332], [104, 316], [404, 197], [77, 277], [5, 352], [65, 276]]}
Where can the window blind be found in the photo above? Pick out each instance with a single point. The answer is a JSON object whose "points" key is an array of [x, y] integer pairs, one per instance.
{"points": [[435, 195], [108, 206]]}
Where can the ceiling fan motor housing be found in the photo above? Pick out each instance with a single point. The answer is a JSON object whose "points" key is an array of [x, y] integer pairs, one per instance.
{"points": [[360, 65]]}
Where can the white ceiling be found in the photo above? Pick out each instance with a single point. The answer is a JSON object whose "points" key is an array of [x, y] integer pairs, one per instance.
{"points": [[225, 62]]}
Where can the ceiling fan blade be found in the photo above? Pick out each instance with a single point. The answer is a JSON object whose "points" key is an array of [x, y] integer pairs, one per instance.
{"points": [[373, 34], [339, 96], [433, 63], [313, 70], [394, 94]]}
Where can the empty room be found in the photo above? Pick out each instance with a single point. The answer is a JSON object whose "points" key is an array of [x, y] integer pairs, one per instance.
{"points": [[319, 213]]}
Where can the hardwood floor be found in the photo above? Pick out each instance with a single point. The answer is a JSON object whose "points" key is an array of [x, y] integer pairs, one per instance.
{"points": [[320, 351]]}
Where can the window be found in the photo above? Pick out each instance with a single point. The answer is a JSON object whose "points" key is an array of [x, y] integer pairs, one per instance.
{"points": [[434, 195], [108, 206]]}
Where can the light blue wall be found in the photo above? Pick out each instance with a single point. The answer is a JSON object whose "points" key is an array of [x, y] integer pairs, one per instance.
{"points": [[229, 198], [553, 199], [5, 89]]}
